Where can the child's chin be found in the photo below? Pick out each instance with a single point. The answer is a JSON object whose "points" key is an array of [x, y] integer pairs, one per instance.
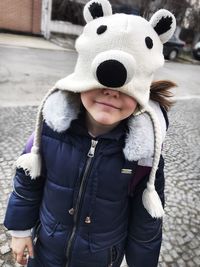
{"points": [[105, 121]]}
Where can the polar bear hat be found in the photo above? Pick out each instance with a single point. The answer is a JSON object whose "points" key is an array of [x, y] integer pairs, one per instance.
{"points": [[119, 51], [116, 51]]}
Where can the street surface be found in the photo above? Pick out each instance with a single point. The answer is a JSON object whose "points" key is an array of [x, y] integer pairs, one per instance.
{"points": [[25, 76]]}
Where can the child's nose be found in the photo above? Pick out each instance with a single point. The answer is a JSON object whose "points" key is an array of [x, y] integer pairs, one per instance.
{"points": [[111, 92]]}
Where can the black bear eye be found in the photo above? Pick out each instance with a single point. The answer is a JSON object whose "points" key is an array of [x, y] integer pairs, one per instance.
{"points": [[149, 42], [101, 29]]}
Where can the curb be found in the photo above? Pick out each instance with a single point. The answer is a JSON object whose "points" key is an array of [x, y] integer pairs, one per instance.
{"points": [[189, 60], [19, 41]]}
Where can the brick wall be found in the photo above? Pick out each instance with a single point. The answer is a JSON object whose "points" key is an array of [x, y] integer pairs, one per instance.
{"points": [[37, 13], [21, 15]]}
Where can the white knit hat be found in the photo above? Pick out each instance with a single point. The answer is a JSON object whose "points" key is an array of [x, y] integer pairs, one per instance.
{"points": [[120, 52]]}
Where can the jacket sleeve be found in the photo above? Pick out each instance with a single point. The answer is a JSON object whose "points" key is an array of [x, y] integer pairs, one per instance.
{"points": [[24, 202], [145, 232]]}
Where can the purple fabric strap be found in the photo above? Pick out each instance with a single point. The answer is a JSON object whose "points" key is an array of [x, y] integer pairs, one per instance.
{"points": [[29, 143], [140, 173]]}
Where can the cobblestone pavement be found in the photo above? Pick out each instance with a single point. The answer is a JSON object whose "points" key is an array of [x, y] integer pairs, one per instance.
{"points": [[181, 239]]}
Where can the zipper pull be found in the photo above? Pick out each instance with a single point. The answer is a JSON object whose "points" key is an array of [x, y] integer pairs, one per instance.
{"points": [[88, 219], [71, 211], [92, 149]]}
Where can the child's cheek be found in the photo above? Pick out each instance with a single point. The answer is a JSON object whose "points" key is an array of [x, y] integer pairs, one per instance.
{"points": [[131, 107]]}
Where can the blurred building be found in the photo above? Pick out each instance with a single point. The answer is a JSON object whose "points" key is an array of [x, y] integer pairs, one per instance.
{"points": [[21, 15], [47, 16]]}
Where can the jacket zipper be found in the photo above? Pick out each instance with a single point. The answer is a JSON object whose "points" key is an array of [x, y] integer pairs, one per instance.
{"points": [[90, 156], [111, 257]]}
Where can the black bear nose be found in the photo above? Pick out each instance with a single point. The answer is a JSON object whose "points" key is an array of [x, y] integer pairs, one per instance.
{"points": [[111, 73]]}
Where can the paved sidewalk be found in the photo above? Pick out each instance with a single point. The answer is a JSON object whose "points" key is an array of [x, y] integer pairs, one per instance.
{"points": [[8, 39]]}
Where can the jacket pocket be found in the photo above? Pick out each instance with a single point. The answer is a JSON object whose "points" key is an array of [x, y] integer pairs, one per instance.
{"points": [[53, 239], [103, 241], [116, 254], [149, 235], [51, 229]]}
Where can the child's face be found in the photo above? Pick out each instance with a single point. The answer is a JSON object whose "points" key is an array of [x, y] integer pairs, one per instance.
{"points": [[108, 107]]}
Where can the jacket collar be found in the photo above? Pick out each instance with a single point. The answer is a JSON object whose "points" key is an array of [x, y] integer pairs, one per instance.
{"points": [[78, 126]]}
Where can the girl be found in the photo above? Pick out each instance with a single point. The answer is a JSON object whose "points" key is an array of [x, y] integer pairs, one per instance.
{"points": [[89, 187]]}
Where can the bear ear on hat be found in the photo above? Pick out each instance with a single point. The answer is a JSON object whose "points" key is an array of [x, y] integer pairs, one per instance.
{"points": [[164, 23], [96, 8]]}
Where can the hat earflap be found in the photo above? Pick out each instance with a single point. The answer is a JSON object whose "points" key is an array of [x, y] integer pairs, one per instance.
{"points": [[96, 9], [150, 198], [31, 162]]}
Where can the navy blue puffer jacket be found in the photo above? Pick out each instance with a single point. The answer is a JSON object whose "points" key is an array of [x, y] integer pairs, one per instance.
{"points": [[84, 209]]}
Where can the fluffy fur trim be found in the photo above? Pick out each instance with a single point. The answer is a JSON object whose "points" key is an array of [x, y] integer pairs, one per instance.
{"points": [[30, 163], [140, 139], [60, 109]]}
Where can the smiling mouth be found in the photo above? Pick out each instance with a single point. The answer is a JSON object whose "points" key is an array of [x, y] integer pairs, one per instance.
{"points": [[106, 104]]}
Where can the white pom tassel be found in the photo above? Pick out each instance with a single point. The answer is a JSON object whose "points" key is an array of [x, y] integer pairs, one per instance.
{"points": [[30, 163], [152, 202]]}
